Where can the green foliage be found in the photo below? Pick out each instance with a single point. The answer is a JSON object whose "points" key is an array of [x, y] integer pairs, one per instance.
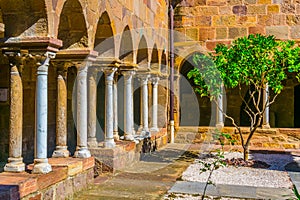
{"points": [[296, 192], [253, 60]]}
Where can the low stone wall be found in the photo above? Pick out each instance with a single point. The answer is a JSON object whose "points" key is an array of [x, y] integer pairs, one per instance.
{"points": [[69, 175], [125, 153], [277, 138]]}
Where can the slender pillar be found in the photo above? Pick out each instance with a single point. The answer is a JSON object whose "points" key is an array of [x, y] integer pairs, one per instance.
{"points": [[219, 113], [144, 83], [15, 160], [41, 165], [109, 126], [154, 127], [140, 129], [92, 111], [266, 116], [61, 150], [81, 149], [128, 114], [115, 108]]}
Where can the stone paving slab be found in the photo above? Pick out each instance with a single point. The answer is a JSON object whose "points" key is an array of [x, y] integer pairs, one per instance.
{"points": [[236, 191]]}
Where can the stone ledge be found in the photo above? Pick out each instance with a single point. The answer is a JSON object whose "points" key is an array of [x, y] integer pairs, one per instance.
{"points": [[21, 185]]}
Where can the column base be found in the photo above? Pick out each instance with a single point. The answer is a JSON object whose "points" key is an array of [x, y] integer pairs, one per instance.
{"points": [[14, 165], [82, 152], [154, 129], [41, 166], [92, 142], [116, 136], [145, 133], [128, 137], [172, 131], [61, 152], [265, 126], [220, 125], [109, 143]]}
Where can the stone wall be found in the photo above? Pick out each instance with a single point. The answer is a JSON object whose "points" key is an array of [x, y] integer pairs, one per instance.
{"points": [[213, 22]]}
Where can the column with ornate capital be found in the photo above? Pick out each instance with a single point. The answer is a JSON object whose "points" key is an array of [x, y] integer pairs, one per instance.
{"points": [[128, 106], [154, 127], [81, 148], [92, 107], [61, 150], [144, 84], [109, 126], [15, 160], [41, 164]]}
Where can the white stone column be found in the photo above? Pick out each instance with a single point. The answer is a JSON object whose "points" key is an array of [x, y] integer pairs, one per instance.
{"points": [[41, 164], [266, 116], [15, 160], [92, 108], [128, 96], [115, 107], [154, 127], [81, 148], [144, 84], [109, 126], [61, 150], [219, 111]]}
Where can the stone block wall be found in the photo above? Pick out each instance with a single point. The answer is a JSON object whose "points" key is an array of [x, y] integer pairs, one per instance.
{"points": [[212, 22]]}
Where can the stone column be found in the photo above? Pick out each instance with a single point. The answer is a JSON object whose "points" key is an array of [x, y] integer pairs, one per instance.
{"points": [[144, 83], [266, 116], [61, 150], [109, 126], [154, 127], [92, 108], [128, 114], [41, 164], [81, 148], [15, 160], [219, 111], [115, 107], [140, 129]]}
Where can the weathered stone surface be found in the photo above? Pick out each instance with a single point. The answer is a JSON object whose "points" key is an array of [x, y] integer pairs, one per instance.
{"points": [[281, 32], [239, 10]]}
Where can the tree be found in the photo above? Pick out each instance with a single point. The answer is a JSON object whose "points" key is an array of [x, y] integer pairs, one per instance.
{"points": [[258, 62]]}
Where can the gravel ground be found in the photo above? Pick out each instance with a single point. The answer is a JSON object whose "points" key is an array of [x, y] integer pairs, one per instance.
{"points": [[274, 176]]}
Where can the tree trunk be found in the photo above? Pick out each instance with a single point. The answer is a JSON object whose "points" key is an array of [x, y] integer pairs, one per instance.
{"points": [[246, 152]]}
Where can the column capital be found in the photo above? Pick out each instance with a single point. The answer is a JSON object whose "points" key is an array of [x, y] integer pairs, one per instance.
{"points": [[143, 78], [154, 79], [128, 72]]}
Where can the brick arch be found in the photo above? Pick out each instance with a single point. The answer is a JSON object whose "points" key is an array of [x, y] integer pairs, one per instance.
{"points": [[126, 45], [104, 40], [72, 28], [25, 18], [181, 53]]}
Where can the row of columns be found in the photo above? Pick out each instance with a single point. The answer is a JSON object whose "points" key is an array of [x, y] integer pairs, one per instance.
{"points": [[266, 116]]}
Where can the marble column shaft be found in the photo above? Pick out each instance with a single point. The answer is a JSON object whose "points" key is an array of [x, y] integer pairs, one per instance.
{"points": [[61, 150], [219, 109], [266, 116], [109, 126], [154, 104], [128, 114], [15, 160], [92, 108], [115, 108], [81, 149], [41, 164], [144, 83]]}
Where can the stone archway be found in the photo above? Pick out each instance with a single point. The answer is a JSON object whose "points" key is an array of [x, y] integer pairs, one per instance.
{"points": [[72, 28]]}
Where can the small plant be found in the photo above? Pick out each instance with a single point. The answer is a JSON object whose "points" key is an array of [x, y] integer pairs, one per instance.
{"points": [[296, 192], [218, 158]]}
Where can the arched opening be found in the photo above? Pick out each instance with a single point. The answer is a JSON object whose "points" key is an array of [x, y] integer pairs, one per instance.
{"points": [[71, 111], [72, 27], [126, 47], [194, 110], [154, 59], [142, 54], [24, 18], [104, 40], [100, 107], [4, 110], [297, 106], [164, 63]]}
